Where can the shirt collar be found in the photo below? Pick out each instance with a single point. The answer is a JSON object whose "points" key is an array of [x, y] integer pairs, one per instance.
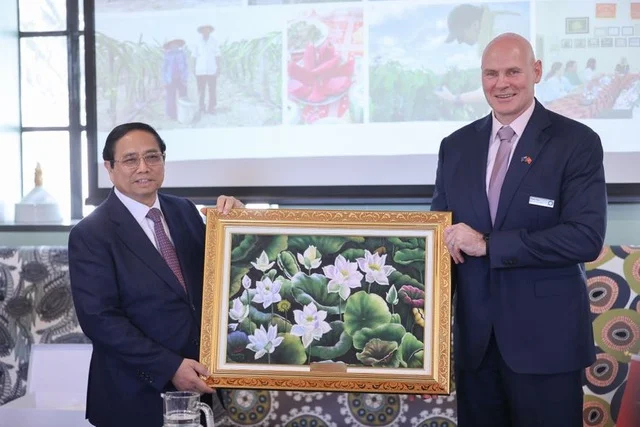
{"points": [[137, 209], [517, 125]]}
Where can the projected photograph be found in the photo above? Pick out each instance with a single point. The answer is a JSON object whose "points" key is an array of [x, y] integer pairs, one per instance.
{"points": [[198, 71], [601, 80], [425, 59], [325, 81], [139, 5], [266, 2]]}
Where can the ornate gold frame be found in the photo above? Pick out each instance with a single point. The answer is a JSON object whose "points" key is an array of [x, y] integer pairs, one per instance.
{"points": [[433, 379]]}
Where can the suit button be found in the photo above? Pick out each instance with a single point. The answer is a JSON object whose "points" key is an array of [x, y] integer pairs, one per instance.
{"points": [[193, 307], [196, 342]]}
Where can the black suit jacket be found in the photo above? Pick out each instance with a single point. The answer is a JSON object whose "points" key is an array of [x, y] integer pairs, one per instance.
{"points": [[531, 289], [135, 311]]}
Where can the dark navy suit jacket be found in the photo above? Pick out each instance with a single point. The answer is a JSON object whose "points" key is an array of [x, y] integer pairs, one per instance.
{"points": [[531, 289], [135, 311]]}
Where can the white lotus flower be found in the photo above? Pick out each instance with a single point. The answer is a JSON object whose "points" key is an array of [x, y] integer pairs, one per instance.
{"points": [[267, 292], [262, 262], [344, 276], [310, 324], [239, 311], [311, 258], [373, 267], [246, 282], [263, 342]]}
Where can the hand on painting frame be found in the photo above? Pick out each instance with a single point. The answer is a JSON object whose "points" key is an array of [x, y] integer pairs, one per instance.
{"points": [[224, 204]]}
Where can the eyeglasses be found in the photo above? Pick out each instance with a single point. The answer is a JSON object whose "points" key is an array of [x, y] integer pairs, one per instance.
{"points": [[150, 159]]}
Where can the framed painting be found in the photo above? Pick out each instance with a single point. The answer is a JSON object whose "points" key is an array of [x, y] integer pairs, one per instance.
{"points": [[577, 25], [327, 300]]}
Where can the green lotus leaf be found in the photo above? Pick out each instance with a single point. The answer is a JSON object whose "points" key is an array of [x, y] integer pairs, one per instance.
{"points": [[286, 288], [386, 332], [380, 353], [411, 351], [272, 245], [325, 244], [247, 326], [403, 243], [409, 256], [244, 249], [396, 318], [373, 243], [399, 279], [259, 317], [237, 273], [333, 344], [271, 274], [290, 351], [288, 264], [365, 310], [313, 289], [283, 324], [353, 254]]}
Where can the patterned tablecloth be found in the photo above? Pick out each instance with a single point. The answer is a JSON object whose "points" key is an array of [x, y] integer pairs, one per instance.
{"points": [[605, 90]]}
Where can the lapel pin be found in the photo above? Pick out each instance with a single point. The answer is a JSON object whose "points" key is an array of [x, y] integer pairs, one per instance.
{"points": [[526, 159]]}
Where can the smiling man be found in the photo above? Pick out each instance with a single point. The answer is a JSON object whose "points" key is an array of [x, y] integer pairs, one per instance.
{"points": [[527, 191], [136, 269]]}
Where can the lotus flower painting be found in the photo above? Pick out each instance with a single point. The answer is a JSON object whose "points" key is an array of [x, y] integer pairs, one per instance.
{"points": [[301, 299]]}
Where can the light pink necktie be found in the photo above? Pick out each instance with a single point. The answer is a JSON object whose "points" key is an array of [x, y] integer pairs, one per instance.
{"points": [[164, 244], [499, 171]]}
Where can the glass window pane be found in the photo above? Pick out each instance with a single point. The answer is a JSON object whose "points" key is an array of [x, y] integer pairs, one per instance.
{"points": [[86, 209], [83, 93], [43, 15], [81, 15], [51, 151], [9, 173], [45, 85]]}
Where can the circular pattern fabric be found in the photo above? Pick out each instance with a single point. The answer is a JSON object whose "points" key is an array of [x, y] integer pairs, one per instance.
{"points": [[606, 290], [437, 421], [307, 417], [632, 271], [605, 374], [595, 412], [624, 250], [606, 254], [248, 407], [635, 304], [618, 331], [374, 409]]}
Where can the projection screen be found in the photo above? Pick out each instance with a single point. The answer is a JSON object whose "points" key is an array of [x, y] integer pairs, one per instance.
{"points": [[344, 98]]}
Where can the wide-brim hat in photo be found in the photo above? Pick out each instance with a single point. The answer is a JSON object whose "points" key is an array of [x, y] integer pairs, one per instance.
{"points": [[205, 29], [173, 44]]}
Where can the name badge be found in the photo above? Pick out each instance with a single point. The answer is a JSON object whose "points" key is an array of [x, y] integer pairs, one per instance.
{"points": [[539, 201]]}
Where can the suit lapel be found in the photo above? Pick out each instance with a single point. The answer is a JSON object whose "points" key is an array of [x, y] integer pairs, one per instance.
{"points": [[132, 235], [478, 171], [530, 144]]}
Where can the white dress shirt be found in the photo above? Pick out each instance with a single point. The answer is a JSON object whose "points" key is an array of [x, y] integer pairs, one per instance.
{"points": [[139, 212]]}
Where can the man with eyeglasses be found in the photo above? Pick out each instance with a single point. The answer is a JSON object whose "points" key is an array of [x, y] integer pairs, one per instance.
{"points": [[136, 268]]}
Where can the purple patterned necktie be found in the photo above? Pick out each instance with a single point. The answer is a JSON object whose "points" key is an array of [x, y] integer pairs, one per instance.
{"points": [[499, 171], [164, 244]]}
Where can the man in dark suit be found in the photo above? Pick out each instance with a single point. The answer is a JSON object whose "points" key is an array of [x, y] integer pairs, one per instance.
{"points": [[136, 269], [521, 234]]}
